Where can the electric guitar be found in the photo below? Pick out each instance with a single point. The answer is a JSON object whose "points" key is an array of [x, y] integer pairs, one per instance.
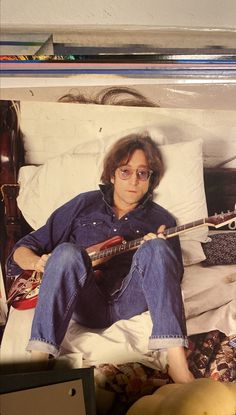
{"points": [[23, 293]]}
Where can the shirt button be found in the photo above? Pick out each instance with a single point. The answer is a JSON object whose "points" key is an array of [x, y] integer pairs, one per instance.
{"points": [[126, 218], [94, 223], [114, 229], [137, 231]]}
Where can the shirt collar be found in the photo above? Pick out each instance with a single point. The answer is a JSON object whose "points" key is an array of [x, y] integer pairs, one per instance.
{"points": [[107, 192]]}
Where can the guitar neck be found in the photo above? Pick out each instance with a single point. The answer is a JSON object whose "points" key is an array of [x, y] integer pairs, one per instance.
{"points": [[130, 245], [176, 230], [215, 221]]}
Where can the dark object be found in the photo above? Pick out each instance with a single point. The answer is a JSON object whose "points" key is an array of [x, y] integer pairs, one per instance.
{"points": [[221, 250], [53, 391]]}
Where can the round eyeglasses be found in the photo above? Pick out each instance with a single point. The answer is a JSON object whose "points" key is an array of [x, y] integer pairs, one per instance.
{"points": [[142, 173]]}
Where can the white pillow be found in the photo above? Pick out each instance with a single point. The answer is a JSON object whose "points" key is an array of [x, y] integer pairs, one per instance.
{"points": [[181, 190], [54, 183]]}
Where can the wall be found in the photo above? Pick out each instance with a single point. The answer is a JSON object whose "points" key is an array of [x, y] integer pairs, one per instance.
{"points": [[53, 128]]}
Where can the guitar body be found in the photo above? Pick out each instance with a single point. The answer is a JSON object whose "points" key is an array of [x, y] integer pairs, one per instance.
{"points": [[104, 246], [24, 291], [28, 302]]}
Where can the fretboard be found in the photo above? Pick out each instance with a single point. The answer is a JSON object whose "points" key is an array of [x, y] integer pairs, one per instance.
{"points": [[182, 228]]}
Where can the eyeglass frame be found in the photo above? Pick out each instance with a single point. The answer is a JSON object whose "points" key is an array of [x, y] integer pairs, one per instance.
{"points": [[149, 171]]}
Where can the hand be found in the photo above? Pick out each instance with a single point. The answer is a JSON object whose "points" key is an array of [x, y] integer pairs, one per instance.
{"points": [[149, 236], [41, 262], [159, 234], [160, 231]]}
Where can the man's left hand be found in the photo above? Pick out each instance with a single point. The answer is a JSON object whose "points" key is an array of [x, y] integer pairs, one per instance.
{"points": [[159, 234]]}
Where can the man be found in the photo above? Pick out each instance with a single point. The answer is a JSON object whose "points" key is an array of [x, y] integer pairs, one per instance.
{"points": [[99, 294]]}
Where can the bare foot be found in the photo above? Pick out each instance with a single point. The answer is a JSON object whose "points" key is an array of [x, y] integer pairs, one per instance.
{"points": [[39, 360], [39, 356], [178, 366]]}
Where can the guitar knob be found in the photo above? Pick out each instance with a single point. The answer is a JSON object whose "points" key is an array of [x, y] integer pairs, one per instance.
{"points": [[232, 226]]}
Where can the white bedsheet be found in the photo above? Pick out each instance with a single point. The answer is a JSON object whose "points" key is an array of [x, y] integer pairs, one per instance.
{"points": [[210, 303]]}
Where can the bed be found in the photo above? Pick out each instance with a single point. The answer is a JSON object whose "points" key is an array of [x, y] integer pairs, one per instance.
{"points": [[124, 367]]}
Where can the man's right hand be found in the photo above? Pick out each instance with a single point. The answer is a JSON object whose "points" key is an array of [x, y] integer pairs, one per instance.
{"points": [[41, 262], [29, 260]]}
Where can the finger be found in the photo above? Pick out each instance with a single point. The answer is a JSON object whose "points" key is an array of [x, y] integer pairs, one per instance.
{"points": [[149, 236], [44, 258], [161, 229], [160, 232], [40, 265]]}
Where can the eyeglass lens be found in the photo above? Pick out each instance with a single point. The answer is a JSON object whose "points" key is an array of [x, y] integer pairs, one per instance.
{"points": [[141, 173]]}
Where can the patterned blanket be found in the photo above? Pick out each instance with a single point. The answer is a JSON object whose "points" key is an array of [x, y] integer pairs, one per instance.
{"points": [[210, 355]]}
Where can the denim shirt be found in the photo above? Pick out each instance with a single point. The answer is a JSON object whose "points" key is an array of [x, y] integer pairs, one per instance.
{"points": [[89, 219]]}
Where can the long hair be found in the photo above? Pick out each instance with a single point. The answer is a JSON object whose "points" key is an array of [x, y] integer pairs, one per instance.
{"points": [[121, 152], [122, 95]]}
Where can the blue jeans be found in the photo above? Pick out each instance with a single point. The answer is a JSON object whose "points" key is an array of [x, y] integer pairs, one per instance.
{"points": [[69, 290]]}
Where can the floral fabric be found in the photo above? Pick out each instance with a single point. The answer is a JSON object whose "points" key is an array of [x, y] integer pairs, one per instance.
{"points": [[210, 355]]}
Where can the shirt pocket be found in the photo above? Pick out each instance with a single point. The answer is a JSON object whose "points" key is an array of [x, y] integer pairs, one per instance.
{"points": [[136, 231], [87, 232]]}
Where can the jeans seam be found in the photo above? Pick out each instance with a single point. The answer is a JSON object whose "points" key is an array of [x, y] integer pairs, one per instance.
{"points": [[122, 289], [168, 336], [41, 339], [74, 295]]}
